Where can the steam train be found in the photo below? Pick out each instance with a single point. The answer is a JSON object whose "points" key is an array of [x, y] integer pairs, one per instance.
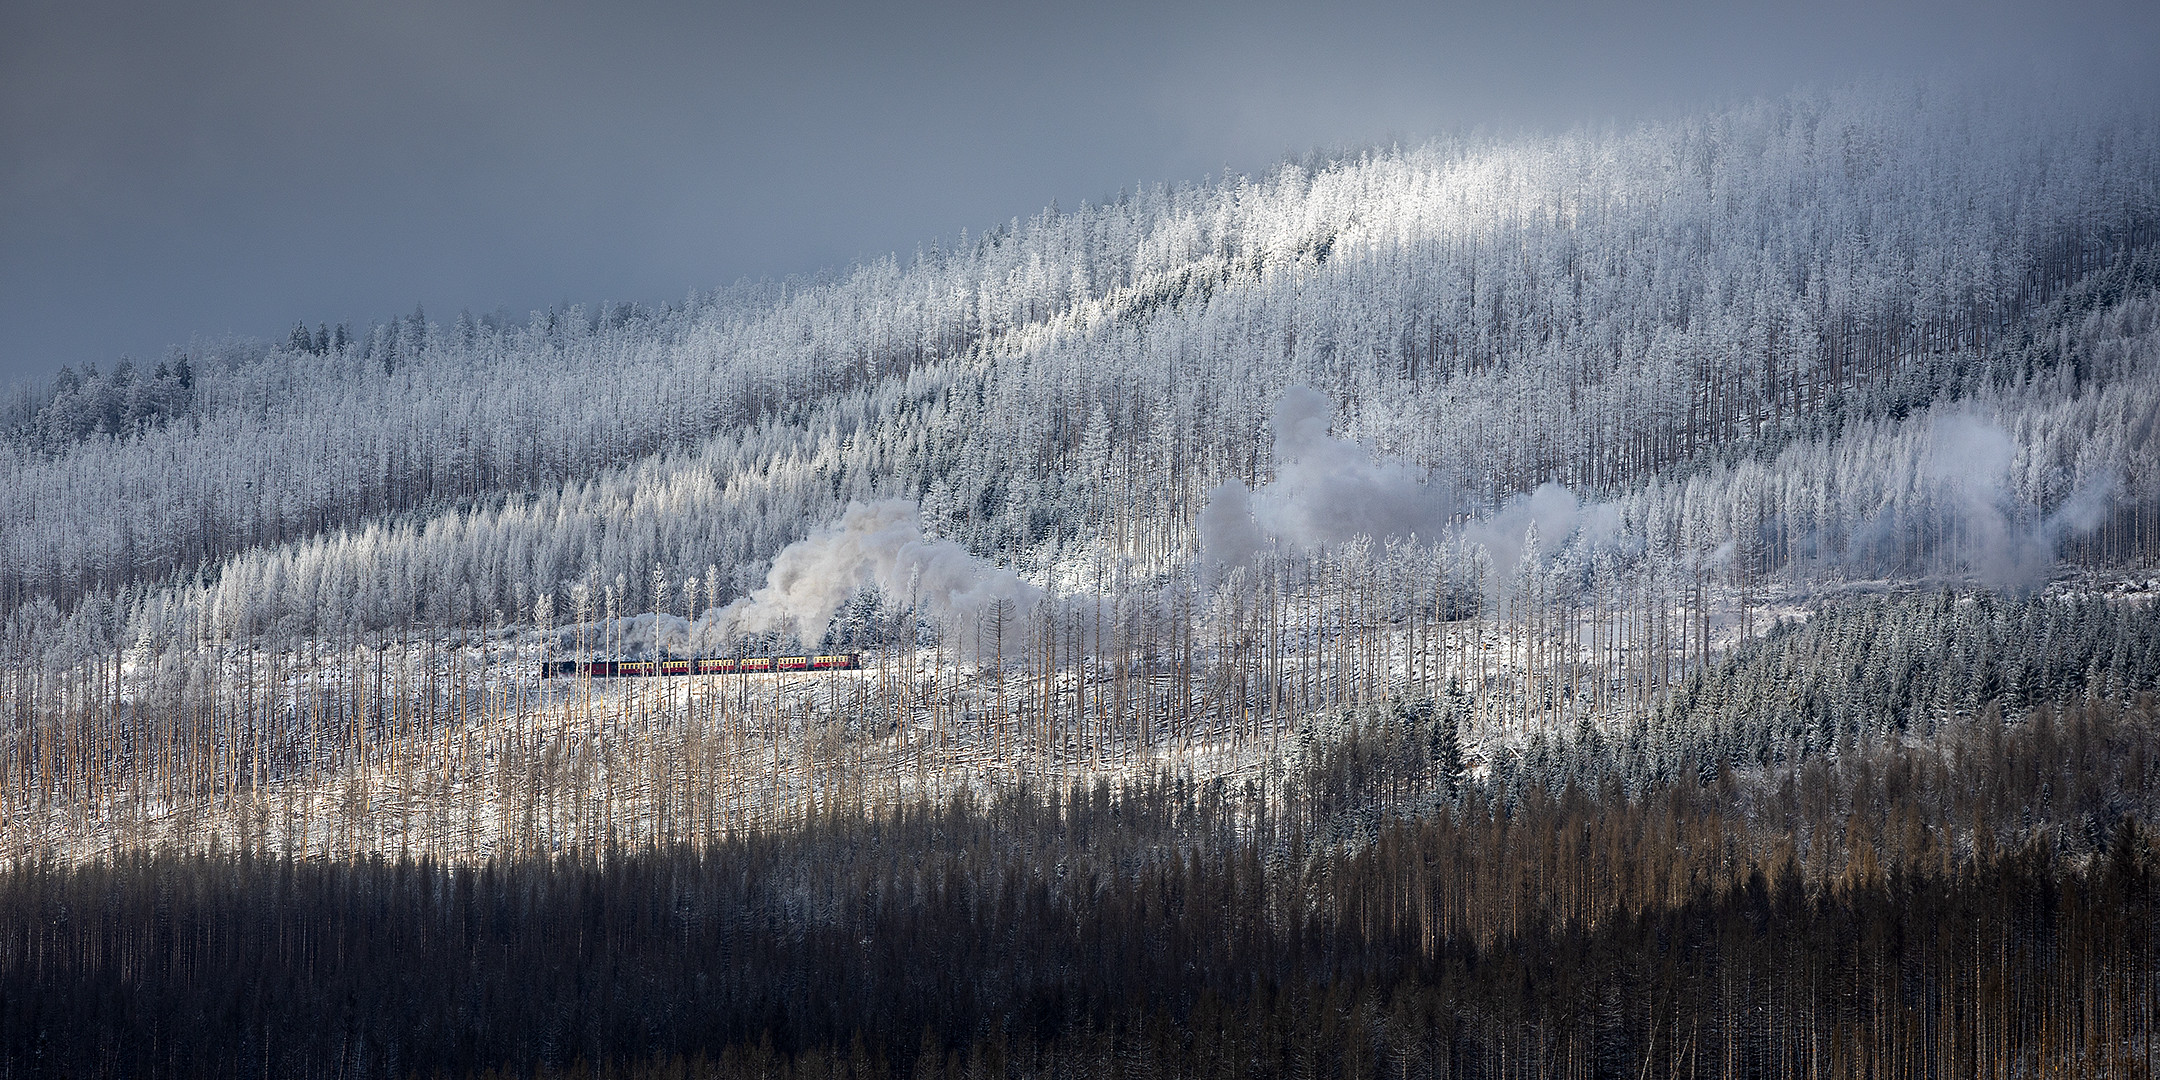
{"points": [[741, 665]]}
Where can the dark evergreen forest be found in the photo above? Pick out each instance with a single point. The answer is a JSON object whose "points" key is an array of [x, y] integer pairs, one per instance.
{"points": [[1981, 903], [1167, 930]]}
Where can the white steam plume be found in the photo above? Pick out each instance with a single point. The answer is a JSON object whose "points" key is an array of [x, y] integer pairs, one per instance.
{"points": [[1326, 491], [2006, 542], [1552, 509], [879, 544]]}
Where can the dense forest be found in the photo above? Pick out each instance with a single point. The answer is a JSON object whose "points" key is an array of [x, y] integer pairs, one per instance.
{"points": [[1676, 600], [1979, 907]]}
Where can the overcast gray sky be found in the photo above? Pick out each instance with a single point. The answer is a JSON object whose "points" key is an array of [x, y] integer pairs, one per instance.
{"points": [[169, 169]]}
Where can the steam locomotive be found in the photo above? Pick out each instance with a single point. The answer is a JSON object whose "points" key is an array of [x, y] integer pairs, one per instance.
{"points": [[741, 665]]}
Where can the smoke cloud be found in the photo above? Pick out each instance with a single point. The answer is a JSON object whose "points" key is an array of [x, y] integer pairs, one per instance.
{"points": [[1552, 509], [878, 544], [1329, 490], [2004, 540], [1326, 490]]}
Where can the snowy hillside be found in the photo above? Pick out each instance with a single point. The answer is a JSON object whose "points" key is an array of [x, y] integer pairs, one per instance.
{"points": [[1519, 438]]}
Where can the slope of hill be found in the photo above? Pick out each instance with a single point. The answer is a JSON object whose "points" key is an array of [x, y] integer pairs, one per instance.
{"points": [[1675, 601], [1557, 421]]}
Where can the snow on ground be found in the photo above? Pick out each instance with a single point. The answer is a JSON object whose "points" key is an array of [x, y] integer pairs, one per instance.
{"points": [[467, 752]]}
